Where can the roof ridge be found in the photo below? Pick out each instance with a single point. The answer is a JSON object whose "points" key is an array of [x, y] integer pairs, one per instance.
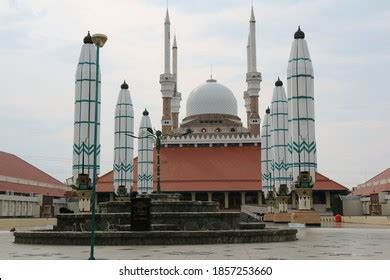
{"points": [[377, 175], [34, 168]]}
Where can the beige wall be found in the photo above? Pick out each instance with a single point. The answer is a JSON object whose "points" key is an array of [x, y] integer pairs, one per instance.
{"points": [[373, 220], [7, 224], [386, 209], [352, 207], [19, 206]]}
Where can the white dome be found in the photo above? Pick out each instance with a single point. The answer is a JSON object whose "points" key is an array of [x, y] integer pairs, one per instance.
{"points": [[211, 98]]}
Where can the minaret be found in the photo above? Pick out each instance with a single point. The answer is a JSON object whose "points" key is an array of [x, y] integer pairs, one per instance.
{"points": [[84, 117], [253, 78], [266, 174], [124, 144], [302, 142], [176, 94], [167, 80], [279, 145], [145, 155], [247, 100]]}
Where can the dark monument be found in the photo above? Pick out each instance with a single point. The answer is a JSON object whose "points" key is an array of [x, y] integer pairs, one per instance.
{"points": [[141, 214]]}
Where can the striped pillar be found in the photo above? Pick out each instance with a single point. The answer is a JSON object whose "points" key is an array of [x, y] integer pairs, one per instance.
{"points": [[145, 156], [300, 88], [279, 139], [84, 117], [124, 145]]}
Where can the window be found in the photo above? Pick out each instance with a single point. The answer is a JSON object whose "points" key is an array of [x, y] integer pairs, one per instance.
{"points": [[203, 130]]}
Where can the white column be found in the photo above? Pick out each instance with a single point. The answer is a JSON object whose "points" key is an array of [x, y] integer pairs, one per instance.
{"points": [[259, 198], [242, 198], [210, 196], [327, 198], [193, 196], [226, 200], [293, 200]]}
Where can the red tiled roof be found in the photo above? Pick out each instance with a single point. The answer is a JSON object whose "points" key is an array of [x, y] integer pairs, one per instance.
{"points": [[13, 166], [211, 169], [366, 191], [27, 189], [323, 183], [374, 185], [385, 174]]}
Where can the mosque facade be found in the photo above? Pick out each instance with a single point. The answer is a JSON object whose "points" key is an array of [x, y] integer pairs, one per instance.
{"points": [[226, 158]]}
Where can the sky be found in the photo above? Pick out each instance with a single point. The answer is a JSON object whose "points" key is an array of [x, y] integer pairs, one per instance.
{"points": [[349, 43]]}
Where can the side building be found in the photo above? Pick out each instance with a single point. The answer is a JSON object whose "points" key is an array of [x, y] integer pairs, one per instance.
{"points": [[25, 190], [373, 196]]}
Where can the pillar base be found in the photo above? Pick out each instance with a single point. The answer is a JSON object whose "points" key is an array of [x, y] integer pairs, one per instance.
{"points": [[282, 218], [305, 199], [308, 217], [268, 217], [281, 203]]}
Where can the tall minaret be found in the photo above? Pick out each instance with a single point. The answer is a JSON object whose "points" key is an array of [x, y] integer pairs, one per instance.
{"points": [[84, 113], [266, 174], [124, 145], [300, 88], [279, 139], [247, 99], [253, 78], [145, 156], [176, 94], [167, 80]]}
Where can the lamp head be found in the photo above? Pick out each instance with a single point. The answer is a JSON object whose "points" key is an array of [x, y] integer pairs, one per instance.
{"points": [[99, 39]]}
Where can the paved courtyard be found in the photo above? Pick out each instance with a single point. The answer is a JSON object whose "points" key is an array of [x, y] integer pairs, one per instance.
{"points": [[347, 241]]}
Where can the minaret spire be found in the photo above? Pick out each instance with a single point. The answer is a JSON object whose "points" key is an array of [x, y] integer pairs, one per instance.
{"points": [[248, 54], [167, 80], [167, 42], [252, 41], [175, 104], [253, 79], [247, 99], [252, 14]]}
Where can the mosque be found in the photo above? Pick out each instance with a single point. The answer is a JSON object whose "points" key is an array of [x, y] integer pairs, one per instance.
{"points": [[224, 158]]}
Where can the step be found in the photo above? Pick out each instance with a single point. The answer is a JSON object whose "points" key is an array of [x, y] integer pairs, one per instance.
{"points": [[251, 225], [165, 227]]}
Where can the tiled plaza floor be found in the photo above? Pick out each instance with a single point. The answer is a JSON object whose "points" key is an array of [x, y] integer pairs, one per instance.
{"points": [[348, 241]]}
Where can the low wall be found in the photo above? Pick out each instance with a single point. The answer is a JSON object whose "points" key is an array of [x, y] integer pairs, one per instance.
{"points": [[181, 220], [7, 224], [157, 237], [82, 221], [373, 220]]}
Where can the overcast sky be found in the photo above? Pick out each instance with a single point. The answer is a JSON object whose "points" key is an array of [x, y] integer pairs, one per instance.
{"points": [[349, 42]]}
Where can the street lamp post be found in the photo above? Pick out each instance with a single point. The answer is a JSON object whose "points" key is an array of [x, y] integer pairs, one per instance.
{"points": [[99, 40], [157, 136]]}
